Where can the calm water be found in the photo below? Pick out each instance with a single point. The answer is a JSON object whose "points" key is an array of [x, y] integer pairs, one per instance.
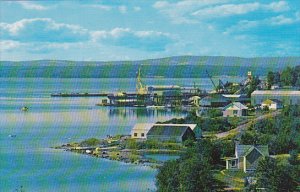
{"points": [[27, 160]]}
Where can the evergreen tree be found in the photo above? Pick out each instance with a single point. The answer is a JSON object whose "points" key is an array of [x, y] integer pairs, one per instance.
{"points": [[273, 177], [168, 176]]}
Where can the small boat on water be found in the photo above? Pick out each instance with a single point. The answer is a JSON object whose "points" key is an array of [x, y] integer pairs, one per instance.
{"points": [[24, 108], [13, 136]]}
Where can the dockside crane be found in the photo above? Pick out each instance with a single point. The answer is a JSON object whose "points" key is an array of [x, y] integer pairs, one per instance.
{"points": [[212, 81], [141, 89]]}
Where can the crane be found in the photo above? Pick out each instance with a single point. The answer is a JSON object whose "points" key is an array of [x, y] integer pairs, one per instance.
{"points": [[212, 80], [140, 87]]}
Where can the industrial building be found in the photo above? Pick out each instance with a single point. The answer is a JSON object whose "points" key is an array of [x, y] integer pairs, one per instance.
{"points": [[287, 97]]}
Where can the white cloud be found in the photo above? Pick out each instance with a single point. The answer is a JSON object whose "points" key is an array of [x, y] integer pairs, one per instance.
{"points": [[180, 12], [125, 37], [8, 45], [102, 7], [227, 10], [279, 6], [48, 34], [239, 9], [136, 8], [279, 20], [32, 6], [192, 11], [43, 30], [122, 9]]}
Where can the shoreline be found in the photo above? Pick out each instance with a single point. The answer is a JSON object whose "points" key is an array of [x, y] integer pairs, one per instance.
{"points": [[116, 151]]}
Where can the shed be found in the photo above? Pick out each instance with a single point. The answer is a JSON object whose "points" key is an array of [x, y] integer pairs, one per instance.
{"points": [[170, 133], [235, 109]]}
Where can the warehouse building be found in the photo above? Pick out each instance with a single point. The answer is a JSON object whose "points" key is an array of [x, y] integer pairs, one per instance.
{"points": [[287, 97], [170, 133]]}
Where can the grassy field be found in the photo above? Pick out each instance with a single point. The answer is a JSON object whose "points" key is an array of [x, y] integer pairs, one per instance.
{"points": [[233, 179]]}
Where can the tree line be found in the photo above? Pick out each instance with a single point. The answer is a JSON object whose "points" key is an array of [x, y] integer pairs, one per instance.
{"points": [[290, 76]]}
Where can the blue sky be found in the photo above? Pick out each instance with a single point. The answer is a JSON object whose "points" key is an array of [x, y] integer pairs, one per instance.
{"points": [[142, 29]]}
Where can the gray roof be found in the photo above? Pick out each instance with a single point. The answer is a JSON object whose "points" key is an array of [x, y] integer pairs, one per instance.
{"points": [[235, 104], [168, 130], [276, 92], [243, 150]]}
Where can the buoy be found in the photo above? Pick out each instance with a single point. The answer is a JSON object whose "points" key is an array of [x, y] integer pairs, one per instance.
{"points": [[25, 108]]}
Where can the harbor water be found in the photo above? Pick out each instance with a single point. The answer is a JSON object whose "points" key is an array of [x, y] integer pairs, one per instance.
{"points": [[27, 160]]}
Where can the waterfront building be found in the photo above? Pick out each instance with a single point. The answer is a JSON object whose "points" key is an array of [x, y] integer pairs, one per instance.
{"points": [[287, 97], [140, 130], [247, 157], [235, 109], [161, 132]]}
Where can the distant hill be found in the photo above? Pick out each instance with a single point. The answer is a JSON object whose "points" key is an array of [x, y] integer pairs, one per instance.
{"points": [[172, 67]]}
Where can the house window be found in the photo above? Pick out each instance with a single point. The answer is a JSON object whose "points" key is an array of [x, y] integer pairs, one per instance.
{"points": [[233, 163], [135, 134], [143, 134], [235, 112]]}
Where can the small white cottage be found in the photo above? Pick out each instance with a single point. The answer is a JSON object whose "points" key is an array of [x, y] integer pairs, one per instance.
{"points": [[272, 104], [235, 109]]}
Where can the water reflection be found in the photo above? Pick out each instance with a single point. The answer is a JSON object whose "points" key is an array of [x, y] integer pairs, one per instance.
{"points": [[127, 112]]}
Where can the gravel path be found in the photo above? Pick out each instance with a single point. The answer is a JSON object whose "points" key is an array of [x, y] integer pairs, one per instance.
{"points": [[241, 128]]}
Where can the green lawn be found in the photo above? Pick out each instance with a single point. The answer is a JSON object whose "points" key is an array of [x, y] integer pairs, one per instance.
{"points": [[233, 179]]}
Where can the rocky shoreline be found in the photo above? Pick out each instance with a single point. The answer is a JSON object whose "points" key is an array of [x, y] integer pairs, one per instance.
{"points": [[115, 148]]}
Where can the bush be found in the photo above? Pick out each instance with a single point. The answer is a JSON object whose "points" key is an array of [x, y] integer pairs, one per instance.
{"points": [[90, 142]]}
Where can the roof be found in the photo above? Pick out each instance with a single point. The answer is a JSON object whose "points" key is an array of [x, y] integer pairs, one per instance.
{"points": [[235, 105], [243, 150], [191, 126], [231, 96], [215, 98], [276, 92], [168, 130], [142, 126]]}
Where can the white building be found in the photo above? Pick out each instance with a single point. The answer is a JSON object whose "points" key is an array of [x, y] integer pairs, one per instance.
{"points": [[235, 109], [272, 104], [140, 130], [288, 97]]}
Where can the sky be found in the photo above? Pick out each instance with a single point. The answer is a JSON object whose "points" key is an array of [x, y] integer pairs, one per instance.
{"points": [[107, 30]]}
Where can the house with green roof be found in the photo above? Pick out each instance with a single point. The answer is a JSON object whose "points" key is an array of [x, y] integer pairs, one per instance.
{"points": [[235, 109], [247, 157], [161, 132]]}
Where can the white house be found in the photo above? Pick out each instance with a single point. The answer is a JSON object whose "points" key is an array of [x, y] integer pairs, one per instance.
{"points": [[140, 130], [272, 104], [235, 109]]}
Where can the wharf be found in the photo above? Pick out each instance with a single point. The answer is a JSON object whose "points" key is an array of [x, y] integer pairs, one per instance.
{"points": [[79, 95]]}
